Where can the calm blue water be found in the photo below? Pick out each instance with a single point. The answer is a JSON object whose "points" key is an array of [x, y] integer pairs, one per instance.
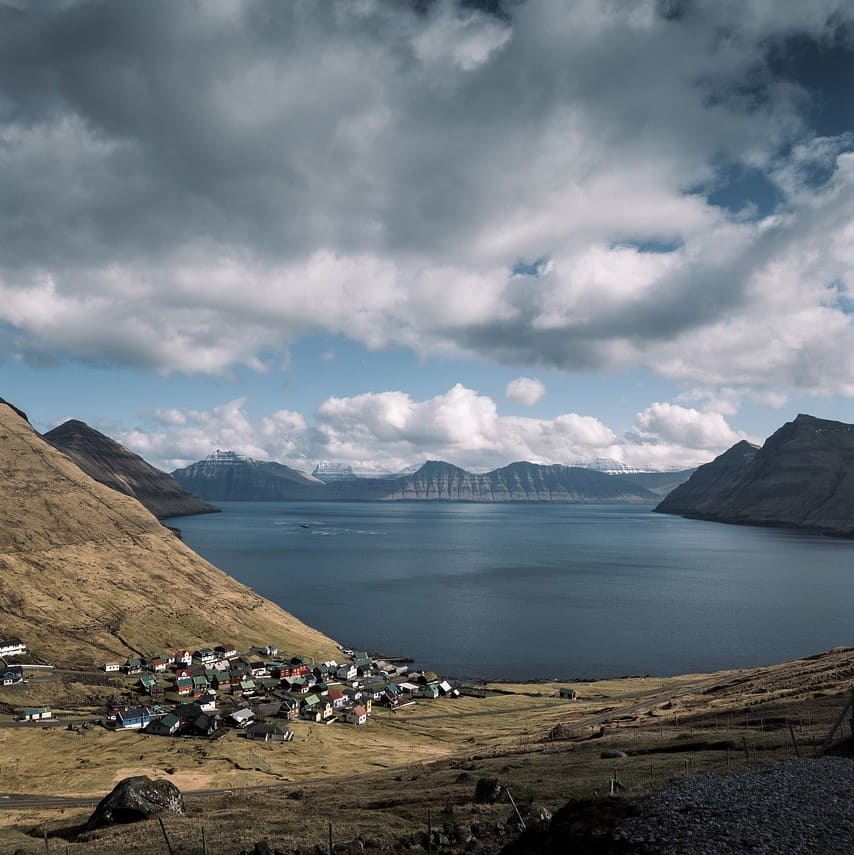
{"points": [[530, 591]]}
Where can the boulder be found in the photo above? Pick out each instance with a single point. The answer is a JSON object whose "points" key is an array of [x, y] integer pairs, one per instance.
{"points": [[531, 814], [134, 799], [487, 791]]}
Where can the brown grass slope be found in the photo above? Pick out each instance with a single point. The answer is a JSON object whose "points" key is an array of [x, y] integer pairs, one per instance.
{"points": [[87, 573]]}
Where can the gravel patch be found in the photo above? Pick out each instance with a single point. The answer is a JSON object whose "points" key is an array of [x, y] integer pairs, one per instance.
{"points": [[795, 806]]}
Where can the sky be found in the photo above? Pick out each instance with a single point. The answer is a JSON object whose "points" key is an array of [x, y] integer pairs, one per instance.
{"points": [[373, 232]]}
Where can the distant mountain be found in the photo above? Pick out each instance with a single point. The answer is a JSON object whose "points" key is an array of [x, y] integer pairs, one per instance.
{"points": [[89, 575], [802, 477], [518, 482], [115, 466], [333, 472], [225, 476], [660, 483]]}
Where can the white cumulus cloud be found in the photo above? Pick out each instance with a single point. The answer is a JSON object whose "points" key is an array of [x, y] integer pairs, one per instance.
{"points": [[525, 390]]}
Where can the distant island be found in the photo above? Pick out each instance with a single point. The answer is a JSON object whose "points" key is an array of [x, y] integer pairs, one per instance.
{"points": [[802, 477], [226, 476]]}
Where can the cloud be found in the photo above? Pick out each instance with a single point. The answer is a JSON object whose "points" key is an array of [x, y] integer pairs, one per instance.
{"points": [[190, 188], [388, 431], [525, 390], [683, 426]]}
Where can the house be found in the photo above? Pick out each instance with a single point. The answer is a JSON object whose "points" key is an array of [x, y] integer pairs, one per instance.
{"points": [[226, 651], [356, 715], [425, 677], [298, 685], [111, 667], [133, 718], [12, 676], [430, 690], [207, 703], [268, 733], [157, 664], [205, 724], [347, 672], [246, 687], [409, 688], [315, 708], [241, 717], [362, 663], [183, 657], [133, 665], [183, 671], [221, 680], [147, 682], [36, 714], [567, 694], [12, 647], [446, 689], [184, 685], [391, 695], [337, 698], [204, 655], [200, 686], [259, 669], [373, 689], [289, 709], [166, 726]]}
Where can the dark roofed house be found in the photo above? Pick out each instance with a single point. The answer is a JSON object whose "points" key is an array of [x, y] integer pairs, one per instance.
{"points": [[289, 709], [268, 732], [134, 718]]}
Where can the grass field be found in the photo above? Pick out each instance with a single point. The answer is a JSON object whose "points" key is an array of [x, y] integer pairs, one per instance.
{"points": [[379, 781]]}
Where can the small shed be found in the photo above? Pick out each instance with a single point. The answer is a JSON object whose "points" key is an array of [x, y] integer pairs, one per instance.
{"points": [[567, 694], [36, 713]]}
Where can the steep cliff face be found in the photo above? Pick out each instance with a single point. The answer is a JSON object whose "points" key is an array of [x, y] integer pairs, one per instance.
{"points": [[803, 477], [115, 466], [88, 573], [518, 482], [711, 485], [228, 477]]}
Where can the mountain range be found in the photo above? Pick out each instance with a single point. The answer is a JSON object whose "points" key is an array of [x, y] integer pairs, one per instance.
{"points": [[226, 476], [87, 573], [801, 477], [115, 466]]}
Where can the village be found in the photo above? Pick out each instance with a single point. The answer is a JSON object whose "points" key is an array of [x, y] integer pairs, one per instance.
{"points": [[211, 691]]}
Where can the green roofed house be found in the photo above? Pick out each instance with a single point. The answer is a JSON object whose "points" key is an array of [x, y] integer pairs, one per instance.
{"points": [[148, 682], [166, 726], [36, 713]]}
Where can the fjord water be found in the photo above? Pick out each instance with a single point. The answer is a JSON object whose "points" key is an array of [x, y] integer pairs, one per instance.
{"points": [[539, 591]]}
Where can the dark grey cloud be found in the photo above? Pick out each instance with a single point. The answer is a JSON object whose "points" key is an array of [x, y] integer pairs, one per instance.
{"points": [[187, 185]]}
